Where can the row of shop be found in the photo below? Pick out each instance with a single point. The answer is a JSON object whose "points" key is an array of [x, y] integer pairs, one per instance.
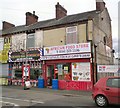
{"points": [[70, 64]]}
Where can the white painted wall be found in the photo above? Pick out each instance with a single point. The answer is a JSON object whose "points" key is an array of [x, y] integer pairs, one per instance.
{"points": [[18, 41]]}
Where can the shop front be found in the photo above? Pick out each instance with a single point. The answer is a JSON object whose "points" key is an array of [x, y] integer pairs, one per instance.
{"points": [[21, 62], [70, 65]]}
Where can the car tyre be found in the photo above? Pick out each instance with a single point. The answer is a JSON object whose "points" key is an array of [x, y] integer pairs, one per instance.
{"points": [[101, 101]]}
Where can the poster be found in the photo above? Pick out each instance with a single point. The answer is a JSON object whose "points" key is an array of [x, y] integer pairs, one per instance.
{"points": [[26, 70], [81, 72], [60, 70], [65, 69]]}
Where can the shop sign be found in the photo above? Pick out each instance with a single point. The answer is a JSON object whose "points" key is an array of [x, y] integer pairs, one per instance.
{"points": [[81, 72], [69, 56], [32, 55], [108, 68], [67, 49]]}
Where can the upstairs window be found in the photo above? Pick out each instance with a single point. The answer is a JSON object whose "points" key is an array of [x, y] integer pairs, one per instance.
{"points": [[31, 40], [105, 40], [71, 35]]}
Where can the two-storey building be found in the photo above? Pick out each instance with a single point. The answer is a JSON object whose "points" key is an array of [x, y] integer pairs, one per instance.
{"points": [[67, 48]]}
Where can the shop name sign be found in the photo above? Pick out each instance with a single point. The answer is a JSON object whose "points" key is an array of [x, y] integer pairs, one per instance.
{"points": [[21, 56], [68, 49], [68, 56], [108, 68]]}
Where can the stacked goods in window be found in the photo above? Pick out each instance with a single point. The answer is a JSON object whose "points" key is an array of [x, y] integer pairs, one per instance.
{"points": [[17, 65], [34, 64], [38, 64], [14, 66], [30, 63], [20, 65]]}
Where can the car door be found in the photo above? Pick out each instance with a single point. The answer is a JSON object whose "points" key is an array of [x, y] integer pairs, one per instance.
{"points": [[112, 90]]}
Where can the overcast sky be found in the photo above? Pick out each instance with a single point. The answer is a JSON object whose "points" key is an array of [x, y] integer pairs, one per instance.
{"points": [[14, 11]]}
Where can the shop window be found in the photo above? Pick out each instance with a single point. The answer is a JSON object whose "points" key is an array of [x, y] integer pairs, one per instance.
{"points": [[81, 71], [35, 73], [71, 35], [64, 71], [18, 74], [5, 40]]}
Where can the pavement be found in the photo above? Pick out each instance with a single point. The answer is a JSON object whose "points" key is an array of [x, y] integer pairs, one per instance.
{"points": [[54, 91]]}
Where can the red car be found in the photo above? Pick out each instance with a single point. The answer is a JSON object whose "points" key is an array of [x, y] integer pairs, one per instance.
{"points": [[107, 91]]}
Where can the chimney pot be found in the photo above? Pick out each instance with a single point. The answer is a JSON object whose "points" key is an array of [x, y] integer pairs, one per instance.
{"points": [[33, 12], [100, 5]]}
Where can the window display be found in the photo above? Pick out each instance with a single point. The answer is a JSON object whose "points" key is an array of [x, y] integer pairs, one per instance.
{"points": [[81, 72], [64, 71]]}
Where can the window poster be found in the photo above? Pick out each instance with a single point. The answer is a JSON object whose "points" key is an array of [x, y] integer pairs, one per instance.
{"points": [[25, 71], [81, 72], [65, 69], [60, 70]]}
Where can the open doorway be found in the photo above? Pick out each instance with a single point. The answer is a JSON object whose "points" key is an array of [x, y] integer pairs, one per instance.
{"points": [[50, 74]]}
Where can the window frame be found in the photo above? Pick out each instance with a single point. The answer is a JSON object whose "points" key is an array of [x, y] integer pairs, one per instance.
{"points": [[109, 83], [71, 32]]}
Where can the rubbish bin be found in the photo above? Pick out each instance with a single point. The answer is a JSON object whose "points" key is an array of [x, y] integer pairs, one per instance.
{"points": [[40, 83], [54, 83]]}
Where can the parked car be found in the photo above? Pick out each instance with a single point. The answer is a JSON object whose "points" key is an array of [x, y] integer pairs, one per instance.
{"points": [[107, 91]]}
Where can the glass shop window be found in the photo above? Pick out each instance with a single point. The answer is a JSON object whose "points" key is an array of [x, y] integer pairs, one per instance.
{"points": [[64, 71], [18, 74], [35, 73]]}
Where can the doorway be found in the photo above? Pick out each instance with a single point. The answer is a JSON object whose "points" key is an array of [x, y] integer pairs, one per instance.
{"points": [[50, 74]]}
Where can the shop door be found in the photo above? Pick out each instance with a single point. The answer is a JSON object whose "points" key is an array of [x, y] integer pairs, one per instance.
{"points": [[50, 74]]}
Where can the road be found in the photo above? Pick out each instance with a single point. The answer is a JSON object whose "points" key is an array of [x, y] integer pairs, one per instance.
{"points": [[19, 97]]}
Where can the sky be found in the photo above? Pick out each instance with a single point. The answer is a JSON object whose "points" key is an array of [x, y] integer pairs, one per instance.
{"points": [[14, 11]]}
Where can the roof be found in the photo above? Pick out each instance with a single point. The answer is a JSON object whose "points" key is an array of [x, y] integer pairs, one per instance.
{"points": [[53, 22]]}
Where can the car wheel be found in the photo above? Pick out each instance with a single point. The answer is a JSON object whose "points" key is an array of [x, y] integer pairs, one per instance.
{"points": [[101, 101]]}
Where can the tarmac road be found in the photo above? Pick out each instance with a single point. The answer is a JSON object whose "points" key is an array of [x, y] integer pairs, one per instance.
{"points": [[16, 96]]}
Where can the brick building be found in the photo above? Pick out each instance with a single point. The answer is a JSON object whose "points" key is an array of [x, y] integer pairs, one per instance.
{"points": [[70, 45]]}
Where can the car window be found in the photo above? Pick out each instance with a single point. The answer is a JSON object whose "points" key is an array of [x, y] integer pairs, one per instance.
{"points": [[113, 82]]}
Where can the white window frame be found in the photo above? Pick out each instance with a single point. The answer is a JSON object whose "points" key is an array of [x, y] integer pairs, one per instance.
{"points": [[70, 32]]}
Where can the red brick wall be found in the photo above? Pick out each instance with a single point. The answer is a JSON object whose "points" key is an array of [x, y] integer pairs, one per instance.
{"points": [[31, 18], [60, 11], [7, 25]]}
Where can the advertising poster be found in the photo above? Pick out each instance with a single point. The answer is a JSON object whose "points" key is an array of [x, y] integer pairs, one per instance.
{"points": [[25, 73], [107, 68], [26, 70], [65, 69], [60, 70], [81, 72]]}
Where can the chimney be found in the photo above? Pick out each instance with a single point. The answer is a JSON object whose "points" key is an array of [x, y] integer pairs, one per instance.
{"points": [[7, 25], [100, 5], [60, 11], [31, 18]]}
